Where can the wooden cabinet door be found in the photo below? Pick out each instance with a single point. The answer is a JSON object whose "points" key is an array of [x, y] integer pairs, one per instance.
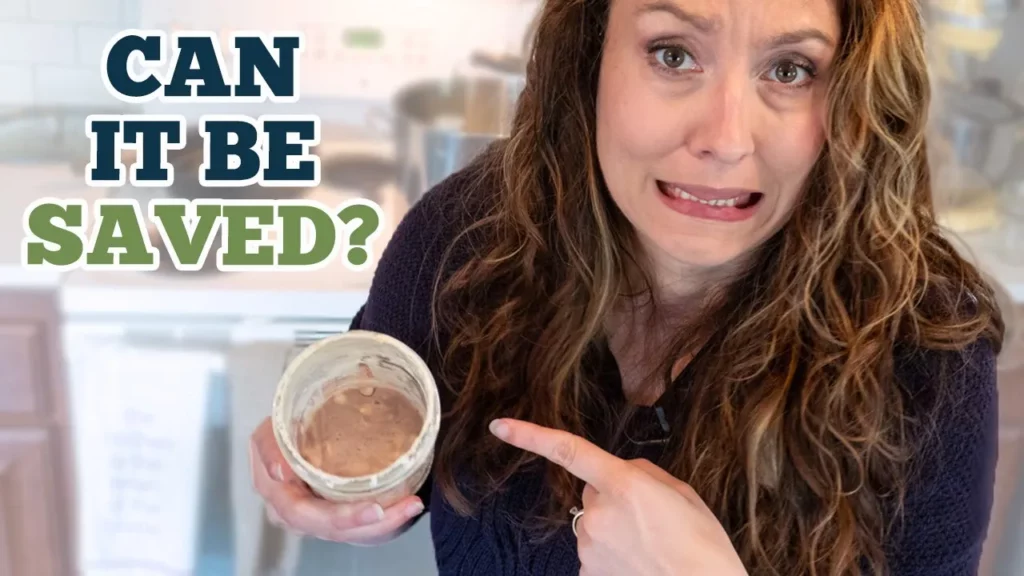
{"points": [[36, 487], [30, 542]]}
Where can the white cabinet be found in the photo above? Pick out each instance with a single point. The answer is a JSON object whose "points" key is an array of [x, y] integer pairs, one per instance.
{"points": [[1007, 512]]}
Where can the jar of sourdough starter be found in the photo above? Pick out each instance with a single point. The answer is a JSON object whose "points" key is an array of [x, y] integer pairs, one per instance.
{"points": [[356, 416]]}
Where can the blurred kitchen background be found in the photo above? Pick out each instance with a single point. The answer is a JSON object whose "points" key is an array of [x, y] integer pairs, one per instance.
{"points": [[126, 399]]}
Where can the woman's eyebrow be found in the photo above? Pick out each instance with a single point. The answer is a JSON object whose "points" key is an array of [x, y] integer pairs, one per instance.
{"points": [[701, 23], [710, 24], [798, 36]]}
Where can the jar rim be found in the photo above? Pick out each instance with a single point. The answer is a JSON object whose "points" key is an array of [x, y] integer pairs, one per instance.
{"points": [[396, 472]]}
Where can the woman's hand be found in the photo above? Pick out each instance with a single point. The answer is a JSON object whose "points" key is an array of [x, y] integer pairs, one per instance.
{"points": [[291, 504], [638, 519]]}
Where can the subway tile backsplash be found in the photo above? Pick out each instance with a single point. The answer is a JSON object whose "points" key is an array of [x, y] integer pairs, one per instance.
{"points": [[71, 85], [78, 11], [16, 87], [50, 50], [90, 43], [11, 9], [62, 40], [37, 43]]}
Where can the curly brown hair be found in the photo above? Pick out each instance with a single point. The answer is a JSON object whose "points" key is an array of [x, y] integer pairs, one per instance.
{"points": [[797, 434]]}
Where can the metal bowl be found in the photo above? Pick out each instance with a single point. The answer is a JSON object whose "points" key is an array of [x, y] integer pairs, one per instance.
{"points": [[984, 15], [975, 138], [440, 126]]}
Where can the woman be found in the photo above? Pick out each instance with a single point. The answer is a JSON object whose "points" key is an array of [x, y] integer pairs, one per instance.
{"points": [[704, 281]]}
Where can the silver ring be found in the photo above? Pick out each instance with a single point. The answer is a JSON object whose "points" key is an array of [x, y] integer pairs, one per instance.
{"points": [[576, 514]]}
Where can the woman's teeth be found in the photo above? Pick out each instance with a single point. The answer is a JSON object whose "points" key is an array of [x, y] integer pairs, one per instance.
{"points": [[741, 200]]}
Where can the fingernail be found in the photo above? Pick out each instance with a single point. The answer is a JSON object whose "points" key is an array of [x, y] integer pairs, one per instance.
{"points": [[499, 429], [414, 509], [371, 515], [276, 472]]}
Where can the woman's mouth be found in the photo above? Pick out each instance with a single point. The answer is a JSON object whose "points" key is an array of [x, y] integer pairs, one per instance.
{"points": [[728, 205]]}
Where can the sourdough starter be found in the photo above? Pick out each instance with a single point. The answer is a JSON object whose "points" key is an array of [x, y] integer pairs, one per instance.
{"points": [[360, 430]]}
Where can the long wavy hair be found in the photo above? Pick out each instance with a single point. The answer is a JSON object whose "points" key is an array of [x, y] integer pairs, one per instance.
{"points": [[796, 433]]}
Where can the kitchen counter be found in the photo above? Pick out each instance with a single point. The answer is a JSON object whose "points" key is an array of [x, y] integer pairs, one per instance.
{"points": [[21, 185], [15, 276], [333, 292]]}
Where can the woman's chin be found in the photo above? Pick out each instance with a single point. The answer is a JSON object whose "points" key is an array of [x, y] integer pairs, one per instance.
{"points": [[701, 251]]}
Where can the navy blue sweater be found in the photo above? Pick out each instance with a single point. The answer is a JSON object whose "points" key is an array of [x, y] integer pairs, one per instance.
{"points": [[947, 509]]}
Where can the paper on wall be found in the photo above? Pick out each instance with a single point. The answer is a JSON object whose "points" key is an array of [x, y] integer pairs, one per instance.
{"points": [[138, 424]]}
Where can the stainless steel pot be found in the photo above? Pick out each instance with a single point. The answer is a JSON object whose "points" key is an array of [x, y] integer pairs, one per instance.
{"points": [[981, 132], [440, 126], [983, 15]]}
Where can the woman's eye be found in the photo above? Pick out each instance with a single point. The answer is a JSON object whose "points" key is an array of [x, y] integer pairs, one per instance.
{"points": [[674, 57], [790, 73]]}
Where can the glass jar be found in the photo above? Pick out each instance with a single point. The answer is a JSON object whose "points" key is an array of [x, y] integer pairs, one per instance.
{"points": [[319, 372]]}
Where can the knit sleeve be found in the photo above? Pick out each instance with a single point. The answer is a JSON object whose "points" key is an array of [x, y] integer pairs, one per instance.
{"points": [[949, 499]]}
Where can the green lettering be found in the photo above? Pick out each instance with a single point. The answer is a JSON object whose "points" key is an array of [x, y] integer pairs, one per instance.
{"points": [[324, 236], [41, 226], [120, 228], [185, 248], [238, 234]]}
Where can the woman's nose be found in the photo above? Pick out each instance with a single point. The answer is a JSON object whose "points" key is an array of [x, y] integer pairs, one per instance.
{"points": [[720, 127]]}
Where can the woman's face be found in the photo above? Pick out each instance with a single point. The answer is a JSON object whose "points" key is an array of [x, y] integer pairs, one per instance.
{"points": [[710, 116]]}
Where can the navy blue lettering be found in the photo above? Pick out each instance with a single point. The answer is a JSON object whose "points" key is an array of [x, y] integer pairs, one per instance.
{"points": [[254, 55], [103, 134], [117, 65], [153, 156], [219, 150], [279, 150], [207, 71]]}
